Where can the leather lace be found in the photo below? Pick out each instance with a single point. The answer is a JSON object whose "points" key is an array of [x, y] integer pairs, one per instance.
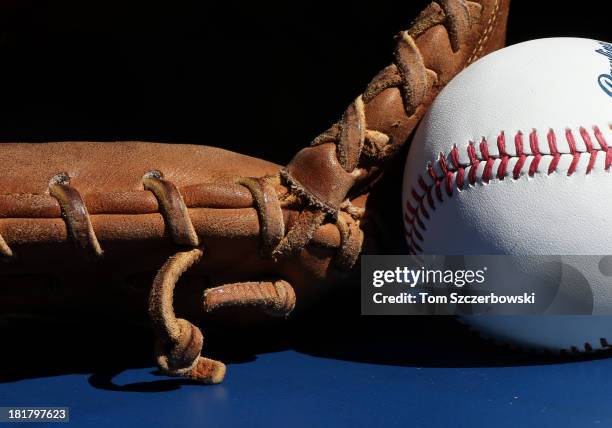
{"points": [[178, 342]]}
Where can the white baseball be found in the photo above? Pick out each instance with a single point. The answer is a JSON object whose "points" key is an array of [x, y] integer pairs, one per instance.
{"points": [[514, 157]]}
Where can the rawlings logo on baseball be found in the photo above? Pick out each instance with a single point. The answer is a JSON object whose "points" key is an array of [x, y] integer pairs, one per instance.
{"points": [[605, 80]]}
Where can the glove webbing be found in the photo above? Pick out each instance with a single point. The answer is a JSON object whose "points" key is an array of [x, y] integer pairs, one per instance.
{"points": [[338, 154]]}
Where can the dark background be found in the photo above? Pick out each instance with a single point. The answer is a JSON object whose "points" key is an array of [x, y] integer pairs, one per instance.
{"points": [[261, 78]]}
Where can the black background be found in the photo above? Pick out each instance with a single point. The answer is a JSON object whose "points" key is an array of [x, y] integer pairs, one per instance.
{"points": [[261, 78]]}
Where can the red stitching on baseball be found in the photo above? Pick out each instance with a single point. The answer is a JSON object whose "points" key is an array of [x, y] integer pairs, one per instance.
{"points": [[424, 186], [602, 143], [484, 149], [451, 173], [552, 145], [474, 162], [572, 146], [505, 158], [589, 148], [454, 155], [518, 143], [535, 151], [587, 139]]}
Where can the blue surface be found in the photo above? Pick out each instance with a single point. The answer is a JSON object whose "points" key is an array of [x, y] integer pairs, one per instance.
{"points": [[290, 388]]}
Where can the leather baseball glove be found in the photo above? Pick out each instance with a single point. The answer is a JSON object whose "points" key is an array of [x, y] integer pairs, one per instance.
{"points": [[251, 233]]}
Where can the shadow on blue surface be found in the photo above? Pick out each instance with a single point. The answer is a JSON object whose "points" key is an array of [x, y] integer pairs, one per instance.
{"points": [[329, 367], [330, 330]]}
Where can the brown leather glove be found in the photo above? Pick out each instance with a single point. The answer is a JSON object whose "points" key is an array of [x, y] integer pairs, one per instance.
{"points": [[252, 233]]}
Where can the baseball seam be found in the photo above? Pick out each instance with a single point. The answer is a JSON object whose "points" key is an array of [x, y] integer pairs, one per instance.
{"points": [[448, 173], [600, 345]]}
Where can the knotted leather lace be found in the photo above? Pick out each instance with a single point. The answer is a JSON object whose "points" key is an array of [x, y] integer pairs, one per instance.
{"points": [[179, 343]]}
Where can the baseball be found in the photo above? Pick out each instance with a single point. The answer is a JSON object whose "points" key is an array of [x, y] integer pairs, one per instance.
{"points": [[514, 158]]}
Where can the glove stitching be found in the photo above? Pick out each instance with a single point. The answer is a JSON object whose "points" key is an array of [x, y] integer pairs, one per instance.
{"points": [[409, 74]]}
